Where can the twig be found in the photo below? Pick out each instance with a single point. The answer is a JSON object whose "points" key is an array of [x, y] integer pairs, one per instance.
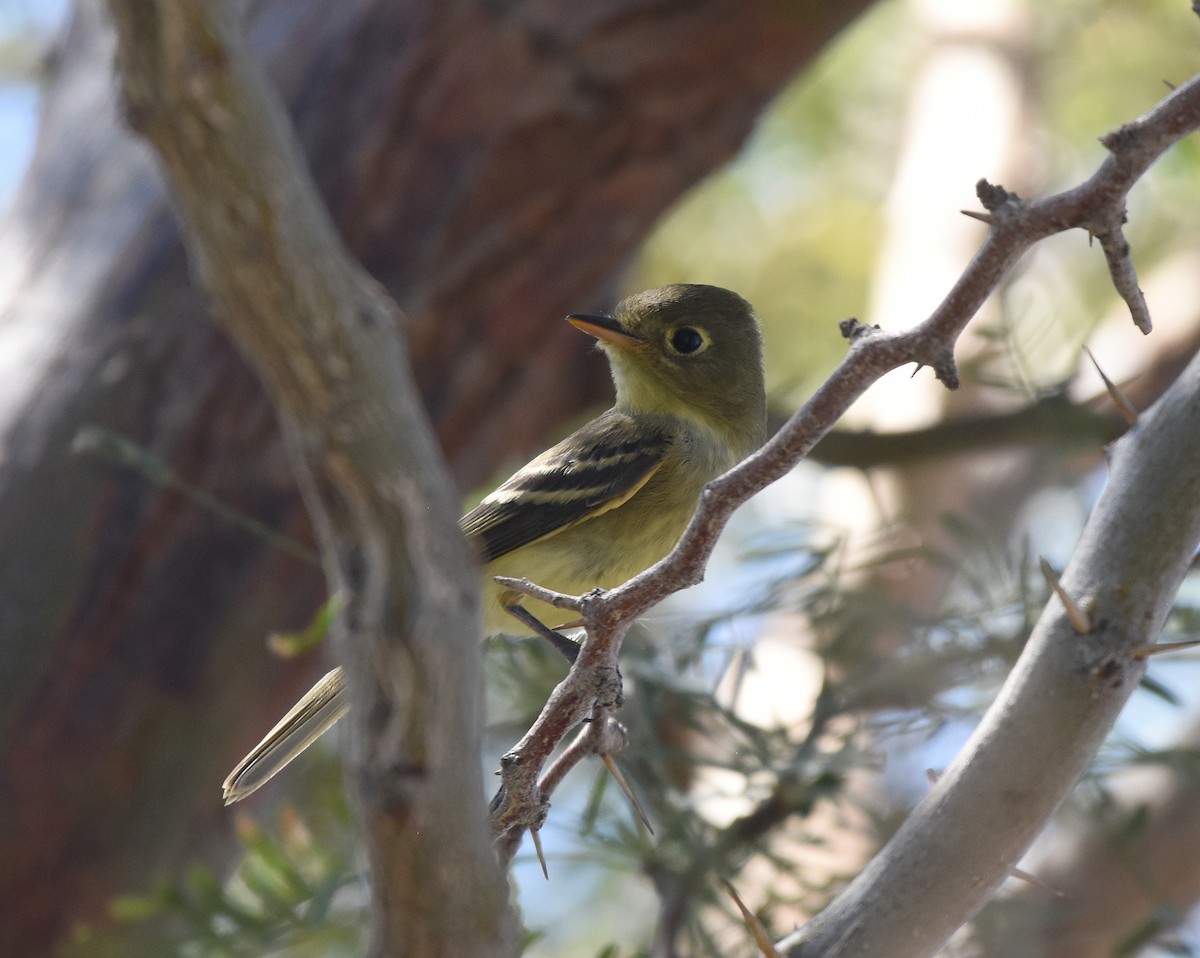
{"points": [[1016, 225], [1120, 267], [557, 599], [1051, 419], [121, 450], [602, 736]]}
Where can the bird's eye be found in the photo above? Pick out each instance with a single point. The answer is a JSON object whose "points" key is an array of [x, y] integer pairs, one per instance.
{"points": [[686, 340]]}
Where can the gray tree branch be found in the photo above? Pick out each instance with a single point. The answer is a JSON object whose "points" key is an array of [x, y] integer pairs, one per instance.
{"points": [[322, 336], [1054, 711], [1127, 873]]}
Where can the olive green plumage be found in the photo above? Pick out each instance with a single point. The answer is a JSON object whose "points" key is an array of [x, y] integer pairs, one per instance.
{"points": [[613, 497]]}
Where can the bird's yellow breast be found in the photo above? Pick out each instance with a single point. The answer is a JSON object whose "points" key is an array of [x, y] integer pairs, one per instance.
{"points": [[612, 547]]}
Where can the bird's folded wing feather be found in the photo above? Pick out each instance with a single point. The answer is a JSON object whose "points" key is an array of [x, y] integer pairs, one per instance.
{"points": [[591, 471], [320, 708], [594, 470]]}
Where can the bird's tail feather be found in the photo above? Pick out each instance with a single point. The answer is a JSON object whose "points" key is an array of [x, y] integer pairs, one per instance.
{"points": [[320, 708]]}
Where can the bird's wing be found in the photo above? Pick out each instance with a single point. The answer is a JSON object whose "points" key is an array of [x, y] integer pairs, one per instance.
{"points": [[591, 471]]}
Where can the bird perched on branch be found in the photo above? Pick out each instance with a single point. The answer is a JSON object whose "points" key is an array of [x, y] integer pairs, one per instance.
{"points": [[612, 498]]}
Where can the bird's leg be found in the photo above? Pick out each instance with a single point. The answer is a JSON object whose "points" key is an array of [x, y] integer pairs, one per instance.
{"points": [[512, 605]]}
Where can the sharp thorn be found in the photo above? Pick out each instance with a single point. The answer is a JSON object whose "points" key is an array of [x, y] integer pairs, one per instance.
{"points": [[755, 927], [1145, 651], [541, 855], [615, 772], [1127, 410], [982, 217], [1078, 618]]}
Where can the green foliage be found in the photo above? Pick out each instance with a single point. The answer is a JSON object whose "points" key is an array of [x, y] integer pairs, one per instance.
{"points": [[295, 891]]}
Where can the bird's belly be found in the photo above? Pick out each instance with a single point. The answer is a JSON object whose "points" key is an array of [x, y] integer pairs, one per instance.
{"points": [[598, 553]]}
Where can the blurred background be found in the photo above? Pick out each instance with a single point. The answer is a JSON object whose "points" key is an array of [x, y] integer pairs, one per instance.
{"points": [[496, 166]]}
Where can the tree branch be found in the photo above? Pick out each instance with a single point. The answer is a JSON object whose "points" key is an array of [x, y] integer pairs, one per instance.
{"points": [[1053, 713], [322, 336], [1096, 205], [1052, 421], [1127, 873]]}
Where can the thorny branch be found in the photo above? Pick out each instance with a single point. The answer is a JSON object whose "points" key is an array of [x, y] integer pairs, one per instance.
{"points": [[1096, 205], [1081, 662]]}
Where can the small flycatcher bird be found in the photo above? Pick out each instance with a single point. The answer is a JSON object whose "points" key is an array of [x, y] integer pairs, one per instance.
{"points": [[612, 498]]}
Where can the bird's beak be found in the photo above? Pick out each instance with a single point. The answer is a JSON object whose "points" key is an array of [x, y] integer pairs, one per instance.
{"points": [[605, 328]]}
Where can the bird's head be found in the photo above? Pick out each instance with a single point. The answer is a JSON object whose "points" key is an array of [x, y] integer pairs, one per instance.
{"points": [[687, 350]]}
